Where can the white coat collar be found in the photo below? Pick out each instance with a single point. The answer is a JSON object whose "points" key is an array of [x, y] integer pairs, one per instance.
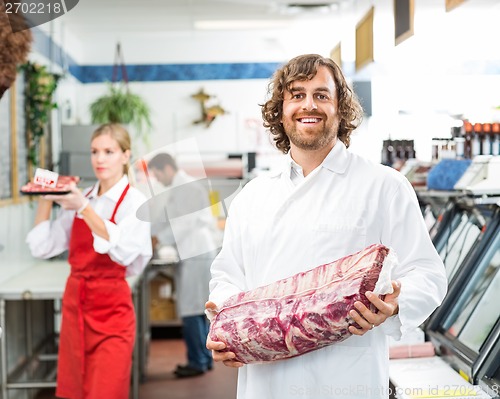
{"points": [[336, 161], [114, 192]]}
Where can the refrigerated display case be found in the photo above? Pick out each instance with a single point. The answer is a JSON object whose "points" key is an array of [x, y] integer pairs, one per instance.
{"points": [[463, 327], [459, 231], [435, 205], [488, 376]]}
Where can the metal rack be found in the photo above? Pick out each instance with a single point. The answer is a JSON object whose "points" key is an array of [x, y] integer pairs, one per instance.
{"points": [[44, 282]]}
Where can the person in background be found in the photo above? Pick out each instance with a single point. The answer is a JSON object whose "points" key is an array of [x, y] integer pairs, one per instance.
{"points": [[323, 204], [105, 243], [190, 229]]}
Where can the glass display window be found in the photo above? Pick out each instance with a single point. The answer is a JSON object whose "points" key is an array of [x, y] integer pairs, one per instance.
{"points": [[488, 376], [458, 237], [441, 220], [462, 328], [477, 309]]}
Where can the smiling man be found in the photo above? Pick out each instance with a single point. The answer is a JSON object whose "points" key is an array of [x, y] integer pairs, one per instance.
{"points": [[310, 113], [323, 204]]}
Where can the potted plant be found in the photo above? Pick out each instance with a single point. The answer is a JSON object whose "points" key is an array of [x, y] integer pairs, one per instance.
{"points": [[120, 105], [39, 89]]}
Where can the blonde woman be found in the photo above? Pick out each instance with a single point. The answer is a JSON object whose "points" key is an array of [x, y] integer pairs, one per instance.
{"points": [[105, 243]]}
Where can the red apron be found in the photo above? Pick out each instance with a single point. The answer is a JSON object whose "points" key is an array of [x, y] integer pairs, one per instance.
{"points": [[98, 323]]}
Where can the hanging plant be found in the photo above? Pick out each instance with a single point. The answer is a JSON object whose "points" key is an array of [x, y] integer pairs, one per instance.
{"points": [[39, 89], [119, 105]]}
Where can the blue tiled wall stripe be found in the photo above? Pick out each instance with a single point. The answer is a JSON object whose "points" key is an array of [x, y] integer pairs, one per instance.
{"points": [[151, 72], [179, 72]]}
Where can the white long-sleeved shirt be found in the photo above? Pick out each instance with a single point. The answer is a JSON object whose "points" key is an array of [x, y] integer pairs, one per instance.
{"points": [[277, 228], [129, 241]]}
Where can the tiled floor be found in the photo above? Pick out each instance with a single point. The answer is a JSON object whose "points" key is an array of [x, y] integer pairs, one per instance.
{"points": [[161, 383]]}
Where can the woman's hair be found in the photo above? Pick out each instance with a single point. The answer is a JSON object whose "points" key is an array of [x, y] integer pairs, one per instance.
{"points": [[305, 67], [120, 134]]}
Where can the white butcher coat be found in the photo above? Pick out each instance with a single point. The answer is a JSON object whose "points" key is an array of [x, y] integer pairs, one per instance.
{"points": [[276, 229]]}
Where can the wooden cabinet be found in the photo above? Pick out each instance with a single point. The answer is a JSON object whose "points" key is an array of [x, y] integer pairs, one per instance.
{"points": [[162, 306]]}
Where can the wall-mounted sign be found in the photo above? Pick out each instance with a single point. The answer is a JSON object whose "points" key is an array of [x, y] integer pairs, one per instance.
{"points": [[336, 54], [451, 4], [403, 20], [364, 40]]}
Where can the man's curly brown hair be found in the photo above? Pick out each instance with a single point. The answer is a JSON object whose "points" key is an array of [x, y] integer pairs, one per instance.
{"points": [[305, 67]]}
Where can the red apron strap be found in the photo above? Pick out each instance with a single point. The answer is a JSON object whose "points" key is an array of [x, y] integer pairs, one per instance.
{"points": [[118, 203], [92, 189]]}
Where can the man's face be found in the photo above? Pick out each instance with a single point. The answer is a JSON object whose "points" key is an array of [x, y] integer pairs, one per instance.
{"points": [[310, 116], [164, 176]]}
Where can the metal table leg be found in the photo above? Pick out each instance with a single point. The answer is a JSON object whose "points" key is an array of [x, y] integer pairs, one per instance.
{"points": [[3, 350]]}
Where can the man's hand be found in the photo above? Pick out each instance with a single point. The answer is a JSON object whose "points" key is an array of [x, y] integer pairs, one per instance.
{"points": [[216, 347], [368, 320]]}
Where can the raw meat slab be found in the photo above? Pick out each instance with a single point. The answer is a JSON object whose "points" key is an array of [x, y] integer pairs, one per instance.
{"points": [[304, 312]]}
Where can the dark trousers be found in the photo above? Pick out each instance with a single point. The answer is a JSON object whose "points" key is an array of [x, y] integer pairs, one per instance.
{"points": [[195, 331]]}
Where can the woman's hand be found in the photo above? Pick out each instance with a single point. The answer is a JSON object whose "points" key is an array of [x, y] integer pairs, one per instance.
{"points": [[74, 200], [368, 320], [216, 346]]}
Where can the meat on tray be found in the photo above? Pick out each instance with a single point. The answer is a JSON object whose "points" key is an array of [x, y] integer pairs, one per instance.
{"points": [[62, 181], [304, 312]]}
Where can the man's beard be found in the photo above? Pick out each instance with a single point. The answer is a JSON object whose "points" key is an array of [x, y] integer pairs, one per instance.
{"points": [[316, 142]]}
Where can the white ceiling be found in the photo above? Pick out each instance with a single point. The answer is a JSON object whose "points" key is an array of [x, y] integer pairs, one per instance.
{"points": [[147, 27], [129, 16], [141, 16]]}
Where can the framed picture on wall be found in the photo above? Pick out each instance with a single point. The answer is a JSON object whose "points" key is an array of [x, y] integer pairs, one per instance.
{"points": [[336, 54], [403, 20], [451, 4], [364, 40]]}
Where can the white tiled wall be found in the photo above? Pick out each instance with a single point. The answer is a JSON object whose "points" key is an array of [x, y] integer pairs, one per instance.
{"points": [[15, 222]]}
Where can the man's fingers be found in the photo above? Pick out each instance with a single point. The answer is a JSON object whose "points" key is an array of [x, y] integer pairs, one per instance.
{"points": [[384, 306], [396, 286], [225, 357], [232, 363], [215, 345], [210, 310], [364, 313], [363, 316]]}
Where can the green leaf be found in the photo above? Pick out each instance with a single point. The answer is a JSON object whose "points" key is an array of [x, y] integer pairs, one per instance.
{"points": [[119, 105], [39, 89]]}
